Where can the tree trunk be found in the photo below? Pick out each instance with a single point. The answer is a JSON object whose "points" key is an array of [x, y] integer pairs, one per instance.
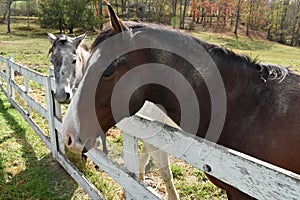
{"points": [[27, 13], [8, 17], [143, 10], [117, 7], [137, 8], [123, 2], [128, 10], [71, 30], [174, 7], [4, 16], [249, 17], [180, 23], [60, 24], [101, 14], [202, 16], [149, 10], [283, 22], [183, 13], [218, 18], [297, 21], [237, 18], [269, 37]]}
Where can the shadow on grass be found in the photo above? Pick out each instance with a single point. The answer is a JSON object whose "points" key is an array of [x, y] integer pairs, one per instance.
{"points": [[43, 178]]}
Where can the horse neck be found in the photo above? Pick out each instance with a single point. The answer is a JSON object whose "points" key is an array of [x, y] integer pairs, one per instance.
{"points": [[166, 97], [239, 73], [83, 54], [238, 76]]}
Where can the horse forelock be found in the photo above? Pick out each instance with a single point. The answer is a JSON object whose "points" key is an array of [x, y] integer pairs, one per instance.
{"points": [[62, 39]]}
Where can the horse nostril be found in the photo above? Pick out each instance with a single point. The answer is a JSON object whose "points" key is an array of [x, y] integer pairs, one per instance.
{"points": [[85, 150], [69, 141], [68, 96]]}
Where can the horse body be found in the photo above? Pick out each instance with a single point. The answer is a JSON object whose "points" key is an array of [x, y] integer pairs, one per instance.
{"points": [[262, 101], [68, 58]]}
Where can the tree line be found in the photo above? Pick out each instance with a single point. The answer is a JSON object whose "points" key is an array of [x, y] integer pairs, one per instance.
{"points": [[278, 19]]}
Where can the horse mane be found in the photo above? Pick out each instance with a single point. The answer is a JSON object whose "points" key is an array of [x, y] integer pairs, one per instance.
{"points": [[268, 71], [273, 72]]}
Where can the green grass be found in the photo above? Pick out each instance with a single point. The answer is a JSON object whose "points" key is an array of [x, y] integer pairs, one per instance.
{"points": [[27, 170]]}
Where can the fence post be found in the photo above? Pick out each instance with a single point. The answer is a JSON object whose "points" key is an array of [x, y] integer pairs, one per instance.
{"points": [[50, 108], [27, 90], [58, 116], [1, 69], [131, 158], [8, 79], [12, 78], [57, 112]]}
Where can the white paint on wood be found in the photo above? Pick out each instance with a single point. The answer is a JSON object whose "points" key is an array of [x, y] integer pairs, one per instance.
{"points": [[51, 114], [131, 159], [30, 121], [30, 101], [12, 79], [256, 178], [29, 73], [27, 91]]}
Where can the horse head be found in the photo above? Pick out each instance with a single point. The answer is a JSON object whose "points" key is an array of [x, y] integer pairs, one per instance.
{"points": [[68, 58]]}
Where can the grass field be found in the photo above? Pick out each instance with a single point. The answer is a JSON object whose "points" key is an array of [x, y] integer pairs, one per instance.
{"points": [[27, 170]]}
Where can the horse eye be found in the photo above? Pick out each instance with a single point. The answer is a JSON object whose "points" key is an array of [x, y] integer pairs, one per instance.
{"points": [[108, 72], [74, 61]]}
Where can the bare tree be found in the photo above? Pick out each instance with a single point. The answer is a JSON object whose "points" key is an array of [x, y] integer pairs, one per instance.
{"points": [[9, 14], [283, 24], [237, 18], [296, 24], [183, 12], [4, 9], [174, 7]]}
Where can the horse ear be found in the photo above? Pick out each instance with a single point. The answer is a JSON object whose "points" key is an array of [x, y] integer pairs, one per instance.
{"points": [[51, 38], [115, 21], [79, 39]]}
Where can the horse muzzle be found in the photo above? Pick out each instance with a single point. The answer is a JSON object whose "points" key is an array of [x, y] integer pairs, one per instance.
{"points": [[63, 97]]}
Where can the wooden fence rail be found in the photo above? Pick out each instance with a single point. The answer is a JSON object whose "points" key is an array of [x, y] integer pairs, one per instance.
{"points": [[254, 177]]}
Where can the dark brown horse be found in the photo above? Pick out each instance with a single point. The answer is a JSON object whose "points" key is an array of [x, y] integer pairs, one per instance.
{"points": [[254, 109]]}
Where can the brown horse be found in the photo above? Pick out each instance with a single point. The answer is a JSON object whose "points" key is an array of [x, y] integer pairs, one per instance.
{"points": [[206, 89]]}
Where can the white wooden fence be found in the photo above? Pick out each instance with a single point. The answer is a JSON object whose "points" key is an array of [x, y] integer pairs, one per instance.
{"points": [[254, 177]]}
